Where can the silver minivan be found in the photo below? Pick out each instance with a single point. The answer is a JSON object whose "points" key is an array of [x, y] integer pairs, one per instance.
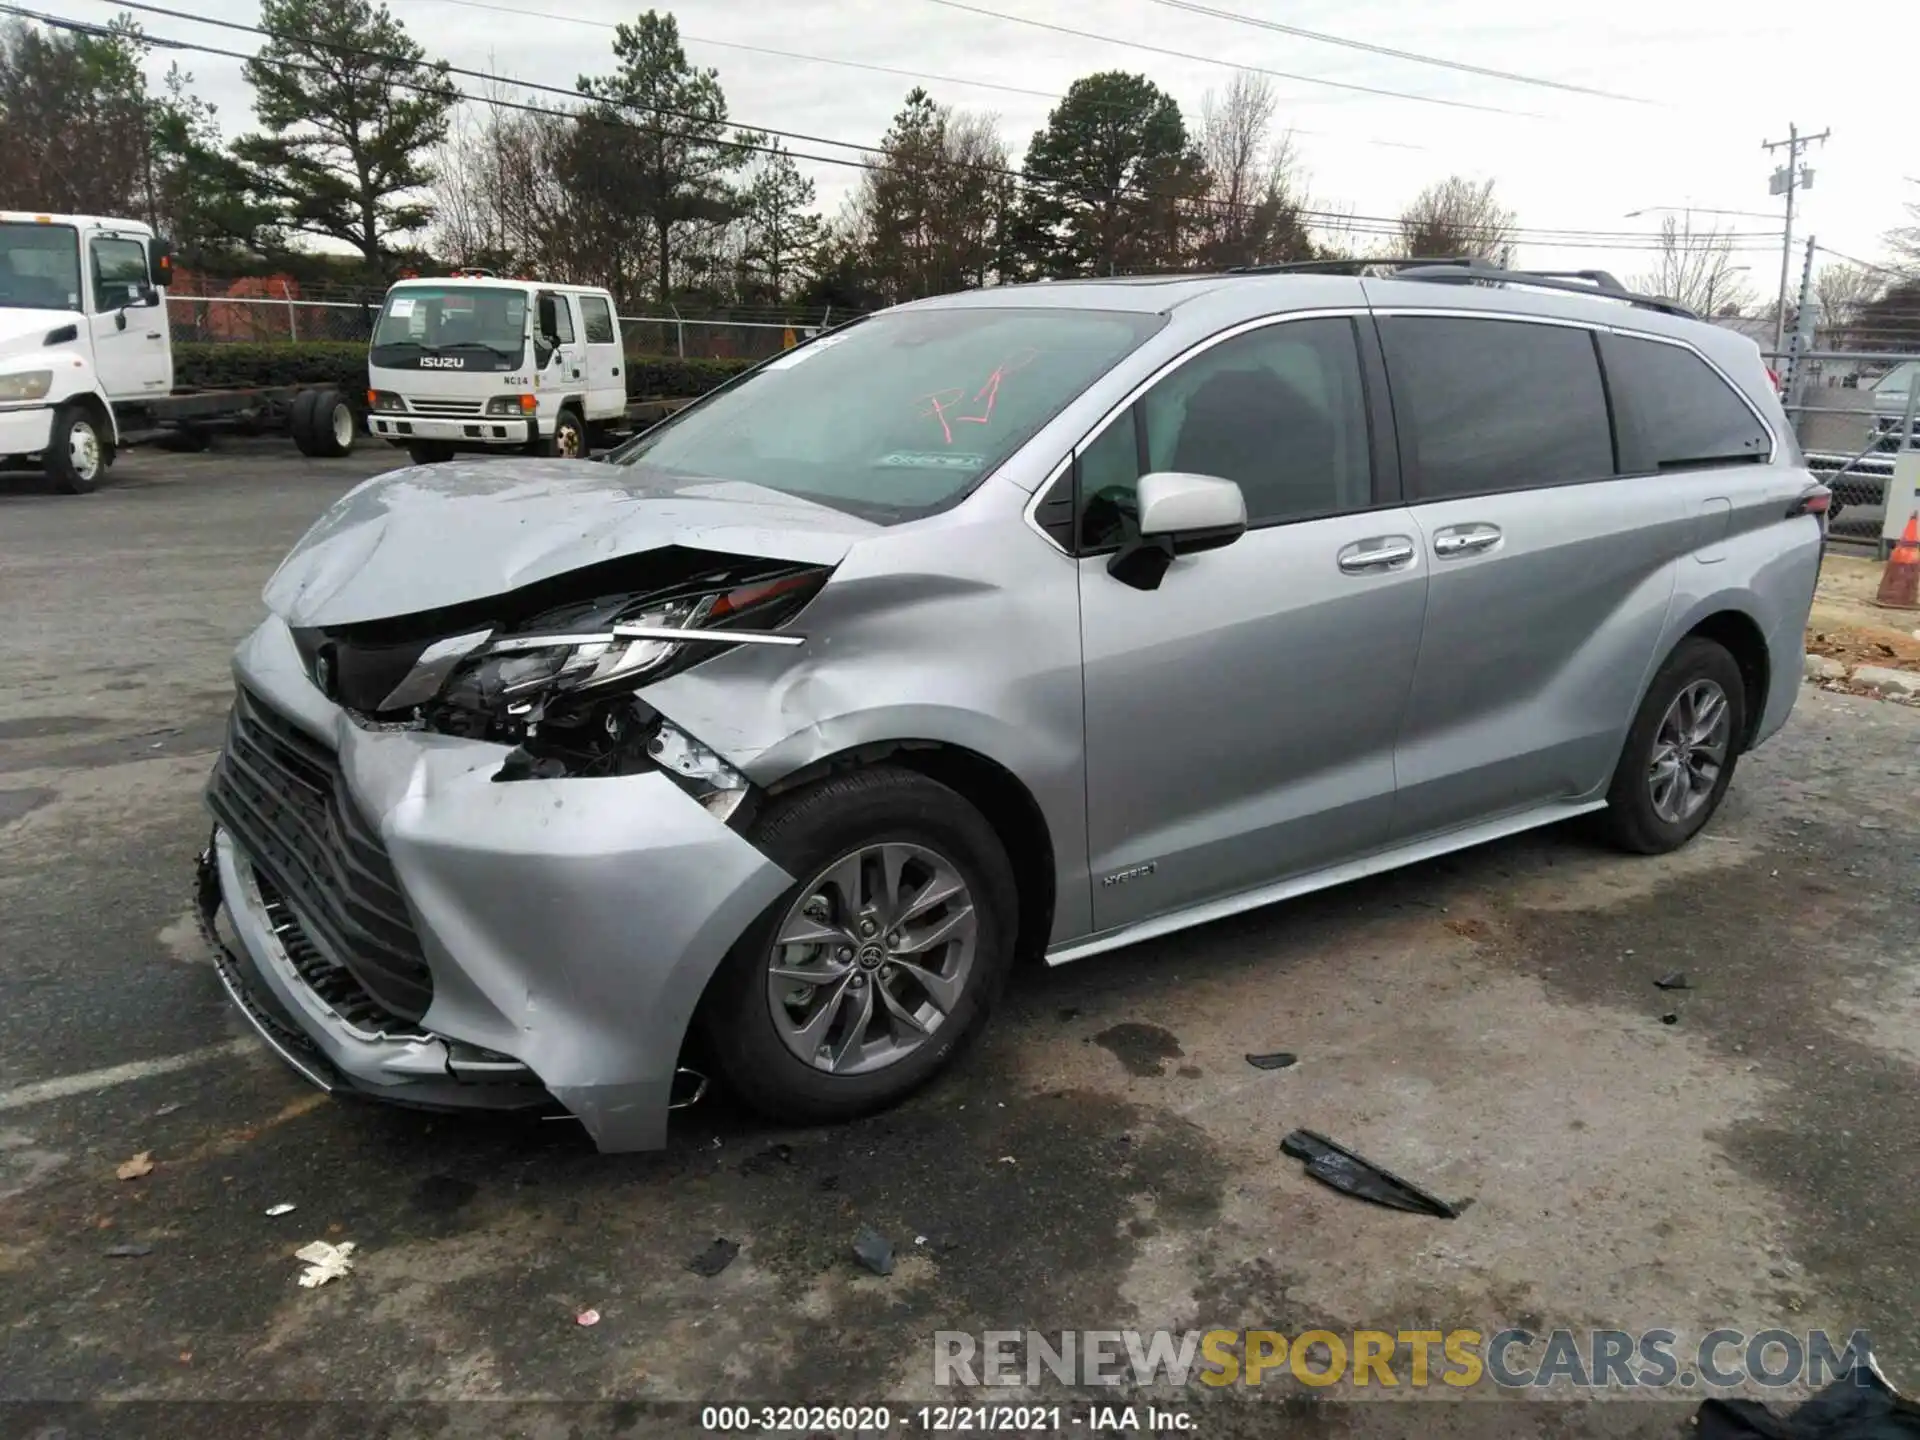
{"points": [[1028, 621]]}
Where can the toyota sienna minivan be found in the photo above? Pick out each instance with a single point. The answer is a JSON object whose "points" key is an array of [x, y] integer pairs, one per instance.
{"points": [[1036, 620]]}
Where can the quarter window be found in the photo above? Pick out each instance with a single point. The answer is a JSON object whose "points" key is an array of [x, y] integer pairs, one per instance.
{"points": [[596, 318], [119, 273], [1280, 411], [1491, 405], [1686, 415]]}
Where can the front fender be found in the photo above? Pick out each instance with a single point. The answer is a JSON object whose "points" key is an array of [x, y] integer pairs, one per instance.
{"points": [[73, 379]]}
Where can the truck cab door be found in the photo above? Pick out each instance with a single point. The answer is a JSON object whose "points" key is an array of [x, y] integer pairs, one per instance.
{"points": [[565, 369], [127, 317], [606, 389]]}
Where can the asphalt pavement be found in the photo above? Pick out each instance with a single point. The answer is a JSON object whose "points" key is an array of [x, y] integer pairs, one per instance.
{"points": [[1487, 1025]]}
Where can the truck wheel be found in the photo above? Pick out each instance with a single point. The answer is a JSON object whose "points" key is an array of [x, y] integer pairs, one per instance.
{"points": [[77, 452], [429, 452], [331, 426], [300, 421], [570, 436]]}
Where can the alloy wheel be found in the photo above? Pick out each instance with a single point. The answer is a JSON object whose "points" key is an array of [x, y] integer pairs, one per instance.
{"points": [[871, 958], [1689, 751]]}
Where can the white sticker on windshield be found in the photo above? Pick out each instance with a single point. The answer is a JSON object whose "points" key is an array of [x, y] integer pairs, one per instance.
{"points": [[402, 307], [931, 460], [804, 352]]}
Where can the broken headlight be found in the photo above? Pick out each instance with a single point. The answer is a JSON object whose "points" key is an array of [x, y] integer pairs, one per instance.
{"points": [[560, 686]]}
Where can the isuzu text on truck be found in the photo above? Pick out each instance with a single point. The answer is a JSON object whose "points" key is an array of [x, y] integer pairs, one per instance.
{"points": [[86, 358]]}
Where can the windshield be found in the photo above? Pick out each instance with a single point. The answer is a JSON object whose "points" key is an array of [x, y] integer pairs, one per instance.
{"points": [[39, 267], [451, 327], [1900, 378], [898, 415]]}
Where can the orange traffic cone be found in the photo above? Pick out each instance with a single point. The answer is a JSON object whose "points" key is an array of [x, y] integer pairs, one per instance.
{"points": [[1900, 581]]}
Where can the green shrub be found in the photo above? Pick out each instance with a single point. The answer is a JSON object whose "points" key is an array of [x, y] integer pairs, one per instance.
{"points": [[216, 365], [201, 365]]}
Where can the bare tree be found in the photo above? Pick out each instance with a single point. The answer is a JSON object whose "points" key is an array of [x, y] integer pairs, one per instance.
{"points": [[1254, 192], [1843, 291], [1696, 269], [1458, 216]]}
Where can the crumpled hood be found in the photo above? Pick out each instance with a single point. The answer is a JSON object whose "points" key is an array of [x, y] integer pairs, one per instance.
{"points": [[432, 536], [24, 332]]}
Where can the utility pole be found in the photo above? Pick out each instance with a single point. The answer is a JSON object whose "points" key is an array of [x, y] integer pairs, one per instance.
{"points": [[1803, 322], [1788, 179]]}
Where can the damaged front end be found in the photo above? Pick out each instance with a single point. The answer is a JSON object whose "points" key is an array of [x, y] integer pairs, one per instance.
{"points": [[459, 861]]}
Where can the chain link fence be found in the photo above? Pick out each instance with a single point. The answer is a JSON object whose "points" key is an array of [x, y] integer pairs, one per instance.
{"points": [[293, 315], [1849, 430]]}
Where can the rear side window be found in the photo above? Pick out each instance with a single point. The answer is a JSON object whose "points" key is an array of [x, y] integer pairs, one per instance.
{"points": [[1490, 405], [1684, 414], [596, 318]]}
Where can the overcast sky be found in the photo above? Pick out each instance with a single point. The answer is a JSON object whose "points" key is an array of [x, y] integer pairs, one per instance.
{"points": [[1720, 77]]}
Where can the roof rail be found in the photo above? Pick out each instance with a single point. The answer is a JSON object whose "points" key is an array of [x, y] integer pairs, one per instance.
{"points": [[1476, 269], [1355, 262], [1573, 282]]}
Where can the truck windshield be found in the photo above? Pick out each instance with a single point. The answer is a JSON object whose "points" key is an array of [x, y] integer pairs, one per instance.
{"points": [[451, 327], [39, 267], [899, 415]]}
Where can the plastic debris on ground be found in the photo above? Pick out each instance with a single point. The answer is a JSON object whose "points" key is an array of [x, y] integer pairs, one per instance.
{"points": [[141, 1164], [325, 1261], [1278, 1060], [129, 1251], [587, 1317], [1676, 981], [715, 1258], [281, 1209], [1351, 1174], [1860, 1405], [1670, 1018], [873, 1250]]}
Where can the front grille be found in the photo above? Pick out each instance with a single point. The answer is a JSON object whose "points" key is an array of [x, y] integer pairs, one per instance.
{"points": [[332, 982], [280, 795], [446, 407]]}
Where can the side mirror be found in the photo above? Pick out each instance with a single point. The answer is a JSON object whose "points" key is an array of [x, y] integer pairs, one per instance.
{"points": [[160, 263], [1179, 514]]}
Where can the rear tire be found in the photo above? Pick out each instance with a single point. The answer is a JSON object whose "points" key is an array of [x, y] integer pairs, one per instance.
{"points": [[1662, 793], [78, 452], [300, 421], [332, 425], [810, 834]]}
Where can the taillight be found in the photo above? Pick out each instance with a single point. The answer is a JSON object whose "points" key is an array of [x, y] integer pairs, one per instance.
{"points": [[1815, 502], [1773, 379]]}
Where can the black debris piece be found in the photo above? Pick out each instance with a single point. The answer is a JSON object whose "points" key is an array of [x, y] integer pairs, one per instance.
{"points": [[1335, 1165], [1675, 981], [767, 1159], [873, 1250], [1670, 1018], [1068, 1012], [1860, 1405], [1278, 1060], [829, 1182], [715, 1258]]}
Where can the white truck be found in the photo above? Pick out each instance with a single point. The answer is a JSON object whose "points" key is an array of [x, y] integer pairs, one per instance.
{"points": [[474, 362], [86, 357]]}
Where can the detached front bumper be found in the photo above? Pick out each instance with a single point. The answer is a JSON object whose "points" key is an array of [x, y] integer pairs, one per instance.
{"points": [[479, 430], [407, 928]]}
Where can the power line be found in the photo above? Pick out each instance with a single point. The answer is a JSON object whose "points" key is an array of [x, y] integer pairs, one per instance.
{"points": [[1392, 53], [1370, 226], [864, 65], [1908, 275], [1231, 64]]}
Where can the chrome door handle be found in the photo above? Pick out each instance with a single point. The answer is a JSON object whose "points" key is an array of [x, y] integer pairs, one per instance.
{"points": [[1465, 539], [1384, 552]]}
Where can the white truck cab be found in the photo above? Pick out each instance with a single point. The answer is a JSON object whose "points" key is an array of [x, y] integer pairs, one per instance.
{"points": [[83, 333], [476, 362]]}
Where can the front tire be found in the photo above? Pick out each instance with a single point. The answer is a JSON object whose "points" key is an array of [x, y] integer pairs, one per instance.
{"points": [[570, 436], [866, 978], [1681, 752], [77, 452], [429, 452]]}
